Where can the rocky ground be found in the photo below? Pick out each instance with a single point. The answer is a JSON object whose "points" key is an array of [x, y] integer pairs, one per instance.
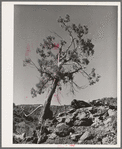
{"points": [[78, 123]]}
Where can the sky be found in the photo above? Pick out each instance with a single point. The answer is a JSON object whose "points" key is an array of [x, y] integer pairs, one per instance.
{"points": [[35, 22]]}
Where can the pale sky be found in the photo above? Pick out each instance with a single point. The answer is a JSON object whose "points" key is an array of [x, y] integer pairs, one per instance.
{"points": [[33, 23]]}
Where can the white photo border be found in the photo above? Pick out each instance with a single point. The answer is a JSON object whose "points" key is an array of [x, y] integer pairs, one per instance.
{"points": [[7, 72]]}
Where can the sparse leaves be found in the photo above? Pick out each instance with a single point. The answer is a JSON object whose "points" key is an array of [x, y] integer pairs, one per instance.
{"points": [[80, 30], [33, 92], [93, 77], [26, 61], [63, 59], [85, 61]]}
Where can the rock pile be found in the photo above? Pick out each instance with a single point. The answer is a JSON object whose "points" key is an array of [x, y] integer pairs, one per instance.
{"points": [[84, 123]]}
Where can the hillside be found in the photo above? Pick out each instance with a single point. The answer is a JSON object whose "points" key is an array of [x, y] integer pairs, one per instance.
{"points": [[77, 123]]}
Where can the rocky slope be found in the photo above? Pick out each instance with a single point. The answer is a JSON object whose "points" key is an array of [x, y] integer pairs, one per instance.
{"points": [[78, 123]]}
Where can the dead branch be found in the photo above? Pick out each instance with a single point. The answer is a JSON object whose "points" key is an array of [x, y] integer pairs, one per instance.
{"points": [[26, 115]]}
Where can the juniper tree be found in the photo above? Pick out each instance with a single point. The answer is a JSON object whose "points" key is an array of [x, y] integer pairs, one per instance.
{"points": [[60, 62]]}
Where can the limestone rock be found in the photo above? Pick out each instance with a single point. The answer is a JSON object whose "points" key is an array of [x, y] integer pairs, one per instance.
{"points": [[69, 121], [99, 111], [79, 104], [61, 114], [20, 136], [88, 108], [71, 111], [84, 136], [112, 112], [52, 136], [85, 122], [105, 140], [81, 115], [96, 122], [61, 119], [75, 137], [62, 130]]}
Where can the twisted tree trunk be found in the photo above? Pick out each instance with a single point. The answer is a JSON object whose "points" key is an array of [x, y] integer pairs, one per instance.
{"points": [[46, 109]]}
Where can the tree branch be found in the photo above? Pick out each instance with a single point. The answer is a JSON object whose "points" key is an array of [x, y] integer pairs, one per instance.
{"points": [[56, 34], [26, 115], [40, 70], [34, 65], [76, 70], [79, 86], [84, 71]]}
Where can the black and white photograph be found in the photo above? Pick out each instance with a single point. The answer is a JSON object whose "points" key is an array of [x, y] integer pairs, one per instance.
{"points": [[66, 70]]}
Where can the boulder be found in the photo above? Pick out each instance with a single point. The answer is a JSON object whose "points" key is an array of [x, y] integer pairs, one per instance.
{"points": [[62, 130], [98, 103], [20, 136], [105, 140], [99, 111], [84, 137], [75, 137], [81, 115], [112, 112], [61, 114], [85, 122], [69, 120], [52, 136], [88, 108], [61, 119], [71, 111], [79, 104], [96, 122]]}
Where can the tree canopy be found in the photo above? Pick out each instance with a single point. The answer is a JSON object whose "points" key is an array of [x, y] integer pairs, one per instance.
{"points": [[61, 61]]}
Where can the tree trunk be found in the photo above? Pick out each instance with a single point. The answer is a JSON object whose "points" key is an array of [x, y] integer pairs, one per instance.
{"points": [[46, 108]]}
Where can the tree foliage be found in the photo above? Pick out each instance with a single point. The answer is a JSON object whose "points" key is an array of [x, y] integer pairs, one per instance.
{"points": [[64, 59]]}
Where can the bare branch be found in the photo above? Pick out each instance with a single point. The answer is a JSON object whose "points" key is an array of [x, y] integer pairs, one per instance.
{"points": [[56, 34], [26, 115], [79, 87], [84, 71], [40, 70], [34, 64], [76, 70], [72, 87]]}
